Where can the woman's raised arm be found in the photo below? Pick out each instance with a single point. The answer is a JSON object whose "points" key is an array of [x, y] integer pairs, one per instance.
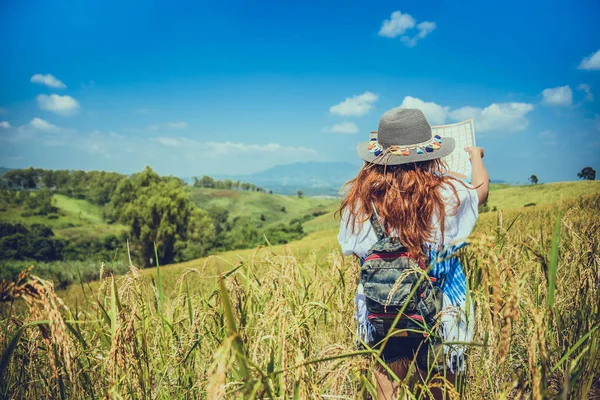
{"points": [[479, 176]]}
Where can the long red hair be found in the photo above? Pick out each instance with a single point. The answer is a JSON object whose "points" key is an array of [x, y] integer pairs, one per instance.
{"points": [[406, 199]]}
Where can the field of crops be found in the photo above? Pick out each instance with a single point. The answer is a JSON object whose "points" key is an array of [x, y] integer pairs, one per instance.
{"points": [[280, 322]]}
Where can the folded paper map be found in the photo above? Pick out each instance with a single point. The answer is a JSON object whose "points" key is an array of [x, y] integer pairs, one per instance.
{"points": [[463, 134]]}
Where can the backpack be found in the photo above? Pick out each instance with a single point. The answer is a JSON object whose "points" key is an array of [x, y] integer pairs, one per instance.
{"points": [[388, 277]]}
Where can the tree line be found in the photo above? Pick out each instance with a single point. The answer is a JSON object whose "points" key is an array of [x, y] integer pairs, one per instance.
{"points": [[209, 182], [94, 186]]}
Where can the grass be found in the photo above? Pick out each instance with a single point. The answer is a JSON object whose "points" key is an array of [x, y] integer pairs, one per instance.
{"points": [[323, 222], [505, 197], [75, 218], [279, 323], [502, 196], [256, 204]]}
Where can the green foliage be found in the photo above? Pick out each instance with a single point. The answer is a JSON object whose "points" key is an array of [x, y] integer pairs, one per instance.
{"points": [[209, 182], [159, 212], [281, 234], [20, 242], [95, 186], [205, 181], [72, 219], [533, 179], [588, 173], [38, 242], [40, 202], [36, 203]]}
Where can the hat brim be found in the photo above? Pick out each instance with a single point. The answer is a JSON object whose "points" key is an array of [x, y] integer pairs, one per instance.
{"points": [[446, 147]]}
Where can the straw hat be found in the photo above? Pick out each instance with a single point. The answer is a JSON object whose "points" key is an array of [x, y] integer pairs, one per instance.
{"points": [[404, 136]]}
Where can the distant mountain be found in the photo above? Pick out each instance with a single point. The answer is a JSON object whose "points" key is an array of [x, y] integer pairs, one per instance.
{"points": [[313, 178]]}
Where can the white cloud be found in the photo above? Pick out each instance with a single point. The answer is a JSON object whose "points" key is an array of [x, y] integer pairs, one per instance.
{"points": [[355, 106], [241, 156], [548, 137], [425, 28], [5, 124], [591, 62], [344, 127], [399, 24], [178, 125], [589, 96], [217, 149], [171, 142], [227, 148], [44, 126], [48, 80], [396, 25], [502, 117], [39, 131], [558, 96], [62, 105], [435, 113]]}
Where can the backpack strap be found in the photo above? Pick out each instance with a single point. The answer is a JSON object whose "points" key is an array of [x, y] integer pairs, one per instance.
{"points": [[376, 224]]}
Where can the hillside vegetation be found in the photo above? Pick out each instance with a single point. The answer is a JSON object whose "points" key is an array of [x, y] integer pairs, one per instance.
{"points": [[502, 197], [261, 207], [74, 218], [505, 197], [69, 222]]}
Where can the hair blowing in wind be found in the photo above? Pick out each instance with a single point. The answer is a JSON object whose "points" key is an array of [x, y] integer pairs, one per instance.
{"points": [[406, 197]]}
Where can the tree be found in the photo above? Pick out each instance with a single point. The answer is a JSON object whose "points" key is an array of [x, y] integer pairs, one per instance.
{"points": [[158, 211], [48, 179], [207, 182], [588, 174], [533, 179], [300, 194]]}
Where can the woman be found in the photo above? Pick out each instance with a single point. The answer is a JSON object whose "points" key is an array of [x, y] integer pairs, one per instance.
{"points": [[405, 185]]}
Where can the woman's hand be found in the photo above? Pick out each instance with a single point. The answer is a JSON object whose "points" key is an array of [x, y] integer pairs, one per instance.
{"points": [[474, 152]]}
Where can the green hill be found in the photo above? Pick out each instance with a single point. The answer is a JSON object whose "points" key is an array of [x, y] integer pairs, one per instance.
{"points": [[505, 197], [75, 218], [502, 196], [266, 209]]}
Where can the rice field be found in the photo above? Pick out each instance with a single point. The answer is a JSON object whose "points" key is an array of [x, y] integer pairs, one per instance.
{"points": [[278, 322]]}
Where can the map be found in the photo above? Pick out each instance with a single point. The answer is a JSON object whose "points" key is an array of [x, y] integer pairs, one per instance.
{"points": [[463, 134]]}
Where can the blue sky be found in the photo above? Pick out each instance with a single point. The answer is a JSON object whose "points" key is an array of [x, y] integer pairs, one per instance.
{"points": [[235, 87]]}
